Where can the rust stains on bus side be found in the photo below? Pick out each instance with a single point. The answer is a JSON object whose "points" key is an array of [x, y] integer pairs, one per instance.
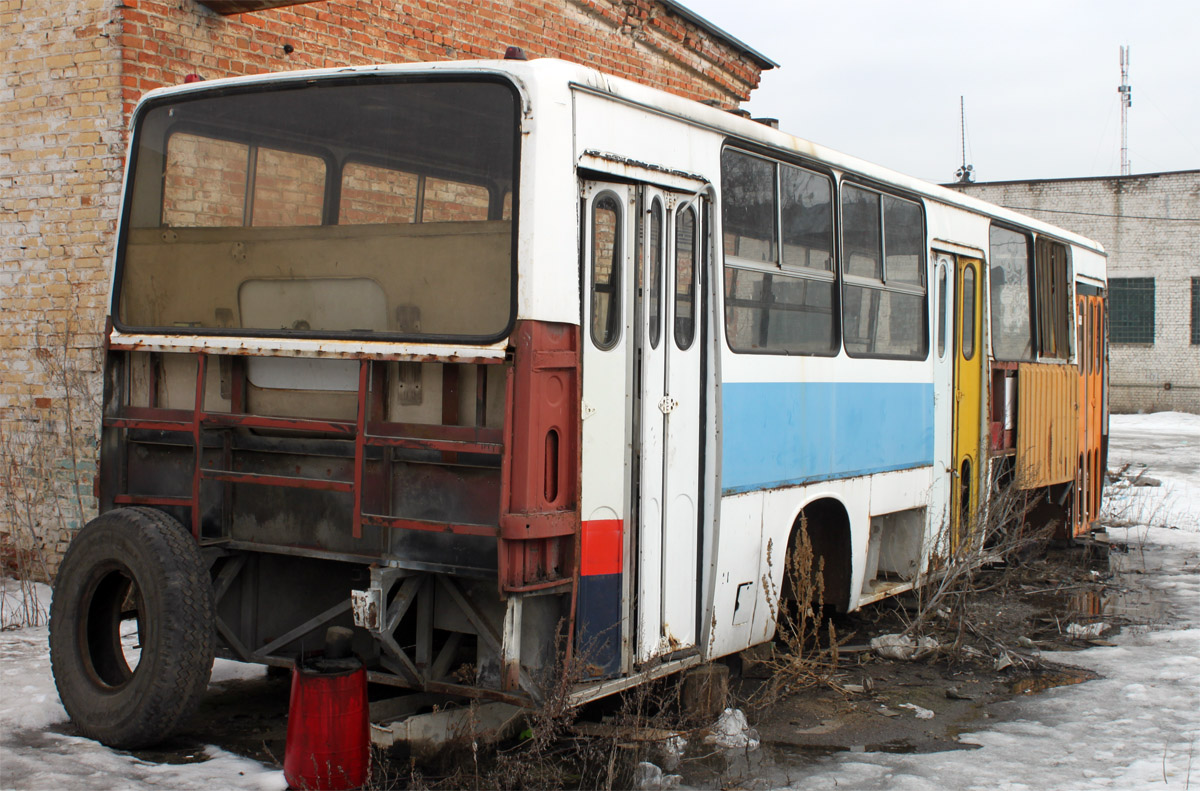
{"points": [[274, 347], [539, 518]]}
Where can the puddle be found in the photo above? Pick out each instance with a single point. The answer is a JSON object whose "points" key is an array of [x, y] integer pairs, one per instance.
{"points": [[247, 717], [1040, 682], [166, 755], [1129, 606]]}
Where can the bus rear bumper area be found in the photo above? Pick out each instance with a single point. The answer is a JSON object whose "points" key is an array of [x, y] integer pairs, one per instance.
{"points": [[431, 506]]}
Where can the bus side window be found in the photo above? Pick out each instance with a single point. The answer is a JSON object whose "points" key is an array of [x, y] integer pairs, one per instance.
{"points": [[1010, 276], [606, 272], [1053, 299], [289, 189], [220, 165], [685, 291], [371, 194], [941, 321], [885, 313], [453, 201], [968, 312], [655, 277]]}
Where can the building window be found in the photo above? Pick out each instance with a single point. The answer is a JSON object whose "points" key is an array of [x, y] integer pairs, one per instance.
{"points": [[1196, 311], [1131, 309]]}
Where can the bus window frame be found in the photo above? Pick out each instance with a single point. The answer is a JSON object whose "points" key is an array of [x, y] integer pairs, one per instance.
{"points": [[333, 171], [333, 182], [1031, 292], [794, 272], [858, 281], [1064, 329], [616, 280]]}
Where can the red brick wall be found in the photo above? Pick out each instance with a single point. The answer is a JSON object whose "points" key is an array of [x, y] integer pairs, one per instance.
{"points": [[161, 42]]}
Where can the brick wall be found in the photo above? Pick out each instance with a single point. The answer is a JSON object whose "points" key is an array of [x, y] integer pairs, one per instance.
{"points": [[162, 42], [1150, 227], [60, 158], [73, 70]]}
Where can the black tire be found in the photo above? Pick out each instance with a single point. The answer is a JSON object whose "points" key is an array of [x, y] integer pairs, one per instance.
{"points": [[131, 566]]}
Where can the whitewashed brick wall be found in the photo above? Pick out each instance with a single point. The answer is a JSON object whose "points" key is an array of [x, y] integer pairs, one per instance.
{"points": [[61, 155]]}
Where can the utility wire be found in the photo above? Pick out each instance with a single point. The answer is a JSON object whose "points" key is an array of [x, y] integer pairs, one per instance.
{"points": [[1098, 214], [1101, 144], [1149, 97]]}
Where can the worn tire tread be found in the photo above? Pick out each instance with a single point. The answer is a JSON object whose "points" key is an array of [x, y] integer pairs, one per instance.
{"points": [[169, 568]]}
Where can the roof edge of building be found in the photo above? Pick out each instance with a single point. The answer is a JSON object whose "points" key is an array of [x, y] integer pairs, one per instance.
{"points": [[691, 16], [1131, 176]]}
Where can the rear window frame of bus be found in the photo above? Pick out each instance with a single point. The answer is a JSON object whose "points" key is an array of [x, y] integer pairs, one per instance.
{"points": [[128, 190]]}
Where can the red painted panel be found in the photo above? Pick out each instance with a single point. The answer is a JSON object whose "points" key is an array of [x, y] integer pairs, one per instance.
{"points": [[540, 478], [601, 547]]}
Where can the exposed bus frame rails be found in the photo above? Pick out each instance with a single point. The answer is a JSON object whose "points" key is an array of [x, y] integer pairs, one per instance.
{"points": [[515, 366]]}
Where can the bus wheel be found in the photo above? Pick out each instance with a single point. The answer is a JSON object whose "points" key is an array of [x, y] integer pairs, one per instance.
{"points": [[131, 628]]}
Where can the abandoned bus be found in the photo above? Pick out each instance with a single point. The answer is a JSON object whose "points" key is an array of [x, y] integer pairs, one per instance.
{"points": [[506, 363]]}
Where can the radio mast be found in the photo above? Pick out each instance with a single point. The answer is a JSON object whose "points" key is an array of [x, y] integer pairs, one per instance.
{"points": [[1126, 94], [965, 173]]}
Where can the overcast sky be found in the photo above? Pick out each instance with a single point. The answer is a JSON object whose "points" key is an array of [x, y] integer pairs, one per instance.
{"points": [[881, 79]]}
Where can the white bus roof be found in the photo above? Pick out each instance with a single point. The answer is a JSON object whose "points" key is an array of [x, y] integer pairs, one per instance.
{"points": [[554, 71]]}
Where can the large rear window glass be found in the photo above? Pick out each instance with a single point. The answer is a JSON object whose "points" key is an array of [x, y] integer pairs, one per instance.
{"points": [[324, 208]]}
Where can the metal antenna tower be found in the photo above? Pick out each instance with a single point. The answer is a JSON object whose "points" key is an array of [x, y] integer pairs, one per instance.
{"points": [[965, 173], [1126, 94]]}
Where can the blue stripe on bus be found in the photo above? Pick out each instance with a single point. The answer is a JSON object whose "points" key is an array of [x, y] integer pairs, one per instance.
{"points": [[786, 433], [598, 624]]}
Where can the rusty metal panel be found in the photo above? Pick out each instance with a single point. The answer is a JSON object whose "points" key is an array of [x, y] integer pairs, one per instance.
{"points": [[1090, 476], [1047, 425], [539, 518]]}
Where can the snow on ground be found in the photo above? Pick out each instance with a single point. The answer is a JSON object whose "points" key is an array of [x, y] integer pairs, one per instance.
{"points": [[37, 753], [1164, 446], [1137, 727]]}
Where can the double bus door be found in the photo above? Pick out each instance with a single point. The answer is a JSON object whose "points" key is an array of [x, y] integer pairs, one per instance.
{"points": [[667, 414], [642, 403]]}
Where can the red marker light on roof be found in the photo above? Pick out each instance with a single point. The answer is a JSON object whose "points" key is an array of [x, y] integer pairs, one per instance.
{"points": [[515, 53], [192, 78]]}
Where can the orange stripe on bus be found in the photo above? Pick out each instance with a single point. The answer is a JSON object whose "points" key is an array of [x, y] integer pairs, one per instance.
{"points": [[602, 547]]}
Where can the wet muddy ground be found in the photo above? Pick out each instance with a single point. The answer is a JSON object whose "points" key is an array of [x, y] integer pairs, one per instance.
{"points": [[1012, 637]]}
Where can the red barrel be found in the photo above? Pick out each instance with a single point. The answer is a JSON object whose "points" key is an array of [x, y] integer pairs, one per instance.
{"points": [[328, 733]]}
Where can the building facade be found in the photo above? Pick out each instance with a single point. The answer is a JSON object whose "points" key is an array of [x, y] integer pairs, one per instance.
{"points": [[73, 71], [1150, 226]]}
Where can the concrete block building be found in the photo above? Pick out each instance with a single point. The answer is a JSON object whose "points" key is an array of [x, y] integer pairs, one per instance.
{"points": [[72, 72], [1150, 226]]}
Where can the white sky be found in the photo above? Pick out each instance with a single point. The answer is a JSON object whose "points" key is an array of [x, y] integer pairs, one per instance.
{"points": [[881, 79]]}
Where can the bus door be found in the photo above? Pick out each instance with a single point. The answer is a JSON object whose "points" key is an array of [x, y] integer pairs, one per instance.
{"points": [[943, 387], [968, 397], [1090, 353], [641, 414], [666, 420], [603, 622]]}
